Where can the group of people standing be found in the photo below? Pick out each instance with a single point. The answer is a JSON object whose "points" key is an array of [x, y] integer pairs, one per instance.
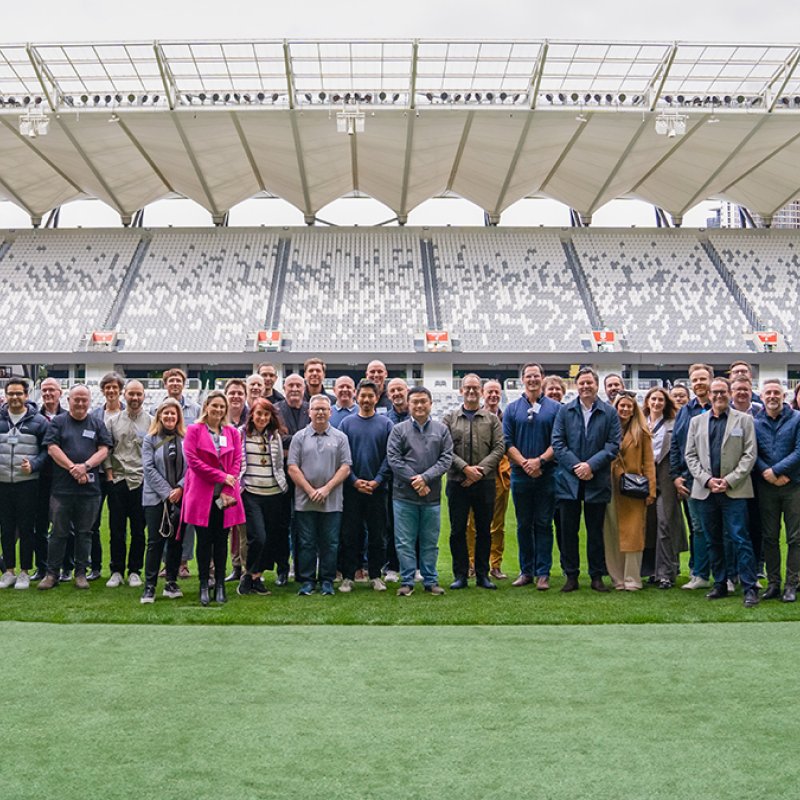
{"points": [[348, 486]]}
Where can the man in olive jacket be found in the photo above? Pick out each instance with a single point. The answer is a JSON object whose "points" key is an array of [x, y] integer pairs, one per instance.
{"points": [[478, 446]]}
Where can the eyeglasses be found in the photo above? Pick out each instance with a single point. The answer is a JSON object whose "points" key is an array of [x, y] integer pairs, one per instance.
{"points": [[718, 392]]}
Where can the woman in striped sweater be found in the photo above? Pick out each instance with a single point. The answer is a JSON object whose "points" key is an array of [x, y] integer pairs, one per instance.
{"points": [[263, 483]]}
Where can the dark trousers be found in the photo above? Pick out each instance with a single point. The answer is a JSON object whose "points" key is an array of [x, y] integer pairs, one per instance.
{"points": [[267, 533], [18, 514], [71, 512], [593, 515], [534, 506], [317, 541], [776, 502], [125, 506], [156, 548], [42, 521], [754, 523], [97, 547], [724, 521], [478, 498], [362, 510], [212, 542]]}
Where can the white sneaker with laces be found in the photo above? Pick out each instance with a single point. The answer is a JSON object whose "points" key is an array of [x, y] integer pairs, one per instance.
{"points": [[23, 581], [134, 580], [696, 583], [8, 580], [378, 585], [346, 586], [115, 580], [392, 576]]}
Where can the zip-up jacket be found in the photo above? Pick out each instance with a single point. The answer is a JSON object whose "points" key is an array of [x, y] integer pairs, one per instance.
{"points": [[680, 434], [779, 443], [477, 442], [19, 442]]}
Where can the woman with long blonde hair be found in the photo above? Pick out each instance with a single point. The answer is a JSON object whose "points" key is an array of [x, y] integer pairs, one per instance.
{"points": [[624, 528]]}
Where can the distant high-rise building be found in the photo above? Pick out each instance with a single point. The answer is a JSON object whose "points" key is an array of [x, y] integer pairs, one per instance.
{"points": [[730, 215]]}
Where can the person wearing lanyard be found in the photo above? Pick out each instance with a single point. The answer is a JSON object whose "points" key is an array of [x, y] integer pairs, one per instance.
{"points": [[212, 502]]}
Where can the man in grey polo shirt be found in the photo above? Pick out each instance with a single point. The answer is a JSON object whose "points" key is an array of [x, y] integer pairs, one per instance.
{"points": [[318, 463]]}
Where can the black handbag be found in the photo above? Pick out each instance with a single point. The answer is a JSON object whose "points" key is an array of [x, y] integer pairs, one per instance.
{"points": [[632, 484]]}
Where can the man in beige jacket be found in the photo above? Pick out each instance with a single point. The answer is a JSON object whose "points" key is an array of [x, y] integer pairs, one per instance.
{"points": [[720, 453]]}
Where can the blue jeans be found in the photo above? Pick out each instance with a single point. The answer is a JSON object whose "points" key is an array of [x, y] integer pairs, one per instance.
{"points": [[725, 518], [413, 522], [534, 505], [317, 538], [701, 567]]}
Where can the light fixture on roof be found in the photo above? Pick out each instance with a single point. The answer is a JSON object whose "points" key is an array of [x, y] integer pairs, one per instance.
{"points": [[350, 120], [671, 125], [33, 123]]}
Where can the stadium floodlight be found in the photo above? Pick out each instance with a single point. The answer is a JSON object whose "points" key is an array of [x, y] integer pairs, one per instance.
{"points": [[468, 97], [429, 95], [503, 97], [336, 98], [246, 98], [610, 99], [322, 97], [70, 101], [96, 99], [84, 98], [478, 96], [456, 97], [26, 101], [622, 98], [516, 97], [395, 97], [237, 97], [574, 97], [308, 97], [215, 97], [381, 96], [117, 98], [107, 99], [131, 98], [202, 97], [443, 96], [562, 98], [260, 97], [587, 98], [489, 96], [227, 97], [33, 123]]}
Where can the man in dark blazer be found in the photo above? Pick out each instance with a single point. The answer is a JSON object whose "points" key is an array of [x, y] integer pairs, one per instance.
{"points": [[586, 439]]}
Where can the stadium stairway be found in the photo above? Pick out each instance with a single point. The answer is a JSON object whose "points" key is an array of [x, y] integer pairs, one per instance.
{"points": [[4, 248], [431, 285], [273, 316], [583, 284], [733, 287], [125, 287]]}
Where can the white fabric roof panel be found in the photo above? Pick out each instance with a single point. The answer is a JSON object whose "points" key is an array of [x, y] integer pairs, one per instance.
{"points": [[220, 122]]}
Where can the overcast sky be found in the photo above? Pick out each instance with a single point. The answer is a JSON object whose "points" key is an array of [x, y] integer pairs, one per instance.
{"points": [[96, 20]]}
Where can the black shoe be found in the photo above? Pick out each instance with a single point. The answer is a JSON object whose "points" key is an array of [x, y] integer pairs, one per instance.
{"points": [[482, 582], [219, 593], [570, 585], [773, 592], [236, 575], [751, 598], [459, 583], [598, 586], [665, 583], [789, 594], [260, 588], [148, 595], [245, 585], [204, 598], [38, 575], [282, 579], [718, 592]]}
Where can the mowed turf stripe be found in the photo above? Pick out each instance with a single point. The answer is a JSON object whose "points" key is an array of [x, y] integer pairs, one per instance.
{"points": [[638, 711]]}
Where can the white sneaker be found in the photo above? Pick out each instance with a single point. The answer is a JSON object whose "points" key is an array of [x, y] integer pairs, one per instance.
{"points": [[23, 581], [115, 580], [134, 580], [347, 585], [417, 577], [731, 587], [378, 585], [696, 583], [8, 580], [392, 576]]}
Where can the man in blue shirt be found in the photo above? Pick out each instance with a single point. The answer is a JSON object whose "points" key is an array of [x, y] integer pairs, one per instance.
{"points": [[778, 477], [528, 428], [586, 438], [365, 489], [420, 451], [700, 377], [344, 388], [78, 442]]}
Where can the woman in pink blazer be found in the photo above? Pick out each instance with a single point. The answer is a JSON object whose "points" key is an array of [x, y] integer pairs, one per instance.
{"points": [[211, 498]]}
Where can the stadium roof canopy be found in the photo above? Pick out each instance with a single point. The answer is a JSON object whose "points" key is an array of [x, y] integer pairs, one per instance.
{"points": [[490, 121]]}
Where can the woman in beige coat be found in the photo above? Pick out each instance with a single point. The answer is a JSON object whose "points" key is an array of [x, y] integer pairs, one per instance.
{"points": [[626, 517]]}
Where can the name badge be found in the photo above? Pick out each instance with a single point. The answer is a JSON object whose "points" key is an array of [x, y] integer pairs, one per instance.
{"points": [[13, 439], [536, 408], [223, 441], [736, 432], [88, 434]]}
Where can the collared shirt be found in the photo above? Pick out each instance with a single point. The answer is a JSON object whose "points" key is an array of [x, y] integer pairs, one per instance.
{"points": [[125, 459], [716, 433], [658, 432], [80, 440], [319, 456], [587, 414], [530, 431], [339, 414]]}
